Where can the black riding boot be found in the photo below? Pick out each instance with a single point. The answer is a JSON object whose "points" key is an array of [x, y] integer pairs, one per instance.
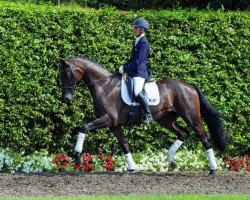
{"points": [[145, 107]]}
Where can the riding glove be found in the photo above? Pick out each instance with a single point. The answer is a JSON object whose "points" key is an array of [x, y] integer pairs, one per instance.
{"points": [[121, 71]]}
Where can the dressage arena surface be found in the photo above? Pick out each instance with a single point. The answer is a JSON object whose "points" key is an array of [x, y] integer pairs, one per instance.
{"points": [[112, 183]]}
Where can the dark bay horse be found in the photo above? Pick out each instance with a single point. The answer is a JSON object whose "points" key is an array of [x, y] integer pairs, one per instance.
{"points": [[177, 99]]}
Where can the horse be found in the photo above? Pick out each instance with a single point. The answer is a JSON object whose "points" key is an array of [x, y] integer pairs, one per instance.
{"points": [[177, 99]]}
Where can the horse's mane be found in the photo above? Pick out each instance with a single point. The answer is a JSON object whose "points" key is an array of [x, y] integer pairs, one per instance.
{"points": [[93, 61]]}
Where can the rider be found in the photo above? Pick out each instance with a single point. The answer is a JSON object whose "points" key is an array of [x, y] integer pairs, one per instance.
{"points": [[136, 67]]}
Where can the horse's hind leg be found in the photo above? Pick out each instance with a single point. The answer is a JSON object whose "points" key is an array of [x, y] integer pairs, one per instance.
{"points": [[170, 123], [124, 145], [193, 119]]}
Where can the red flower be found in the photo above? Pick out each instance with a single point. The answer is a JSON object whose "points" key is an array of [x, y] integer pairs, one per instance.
{"points": [[89, 158], [62, 161], [248, 167], [227, 163], [78, 167], [240, 160], [232, 168], [109, 166], [87, 168], [248, 158], [90, 167], [237, 166], [228, 158], [101, 157], [85, 163], [109, 158]]}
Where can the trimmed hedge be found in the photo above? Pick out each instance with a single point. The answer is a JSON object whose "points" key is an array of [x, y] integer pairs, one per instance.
{"points": [[210, 49], [149, 4]]}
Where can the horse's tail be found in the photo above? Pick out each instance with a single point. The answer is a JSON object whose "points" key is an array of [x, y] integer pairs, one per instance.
{"points": [[214, 123]]}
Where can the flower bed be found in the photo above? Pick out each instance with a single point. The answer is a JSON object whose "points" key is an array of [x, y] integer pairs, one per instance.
{"points": [[96, 163], [186, 160], [239, 164]]}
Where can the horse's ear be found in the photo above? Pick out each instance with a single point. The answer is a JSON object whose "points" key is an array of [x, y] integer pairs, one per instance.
{"points": [[63, 62]]}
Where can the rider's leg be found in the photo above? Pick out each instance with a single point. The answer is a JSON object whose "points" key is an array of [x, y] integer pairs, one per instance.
{"points": [[138, 86]]}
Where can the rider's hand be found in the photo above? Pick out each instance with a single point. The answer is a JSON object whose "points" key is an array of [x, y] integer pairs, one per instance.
{"points": [[121, 71]]}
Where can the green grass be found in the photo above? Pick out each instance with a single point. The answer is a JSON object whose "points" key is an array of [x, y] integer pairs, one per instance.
{"points": [[141, 197]]}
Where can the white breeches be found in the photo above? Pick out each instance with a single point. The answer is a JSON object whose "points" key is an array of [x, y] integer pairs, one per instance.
{"points": [[138, 85]]}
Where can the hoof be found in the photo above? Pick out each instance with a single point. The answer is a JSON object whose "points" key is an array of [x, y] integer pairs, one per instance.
{"points": [[211, 173], [130, 171], [173, 165], [78, 159]]}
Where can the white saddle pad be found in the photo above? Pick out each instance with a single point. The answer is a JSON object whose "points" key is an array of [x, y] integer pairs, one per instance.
{"points": [[152, 94]]}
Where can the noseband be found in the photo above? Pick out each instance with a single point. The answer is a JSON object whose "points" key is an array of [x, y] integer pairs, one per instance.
{"points": [[73, 80]]}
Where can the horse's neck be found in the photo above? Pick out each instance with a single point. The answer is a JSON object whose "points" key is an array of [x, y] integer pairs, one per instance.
{"points": [[94, 72], [96, 79]]}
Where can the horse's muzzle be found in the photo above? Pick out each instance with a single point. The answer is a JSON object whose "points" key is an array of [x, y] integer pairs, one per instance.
{"points": [[67, 98]]}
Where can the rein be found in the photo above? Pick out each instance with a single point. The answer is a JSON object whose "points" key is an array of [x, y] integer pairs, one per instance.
{"points": [[75, 79], [94, 82]]}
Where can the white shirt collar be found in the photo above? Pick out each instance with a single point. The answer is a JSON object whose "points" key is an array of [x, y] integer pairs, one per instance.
{"points": [[138, 38]]}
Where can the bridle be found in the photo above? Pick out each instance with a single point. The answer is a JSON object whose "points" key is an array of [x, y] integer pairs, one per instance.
{"points": [[73, 81]]}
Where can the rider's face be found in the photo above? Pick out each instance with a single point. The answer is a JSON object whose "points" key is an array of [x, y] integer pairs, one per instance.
{"points": [[136, 30]]}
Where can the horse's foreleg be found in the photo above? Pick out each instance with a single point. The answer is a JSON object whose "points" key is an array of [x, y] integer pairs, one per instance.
{"points": [[124, 145], [98, 123]]}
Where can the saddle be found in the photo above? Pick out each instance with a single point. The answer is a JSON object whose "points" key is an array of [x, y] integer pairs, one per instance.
{"points": [[150, 90]]}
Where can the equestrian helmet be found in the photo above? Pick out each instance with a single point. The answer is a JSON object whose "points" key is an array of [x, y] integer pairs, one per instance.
{"points": [[141, 22]]}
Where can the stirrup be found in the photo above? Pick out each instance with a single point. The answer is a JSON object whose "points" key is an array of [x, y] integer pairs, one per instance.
{"points": [[147, 119]]}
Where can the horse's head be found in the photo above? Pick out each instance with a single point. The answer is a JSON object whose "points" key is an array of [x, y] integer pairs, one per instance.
{"points": [[76, 69], [69, 80]]}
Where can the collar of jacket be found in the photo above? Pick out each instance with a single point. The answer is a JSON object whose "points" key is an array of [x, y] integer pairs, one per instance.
{"points": [[137, 39]]}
